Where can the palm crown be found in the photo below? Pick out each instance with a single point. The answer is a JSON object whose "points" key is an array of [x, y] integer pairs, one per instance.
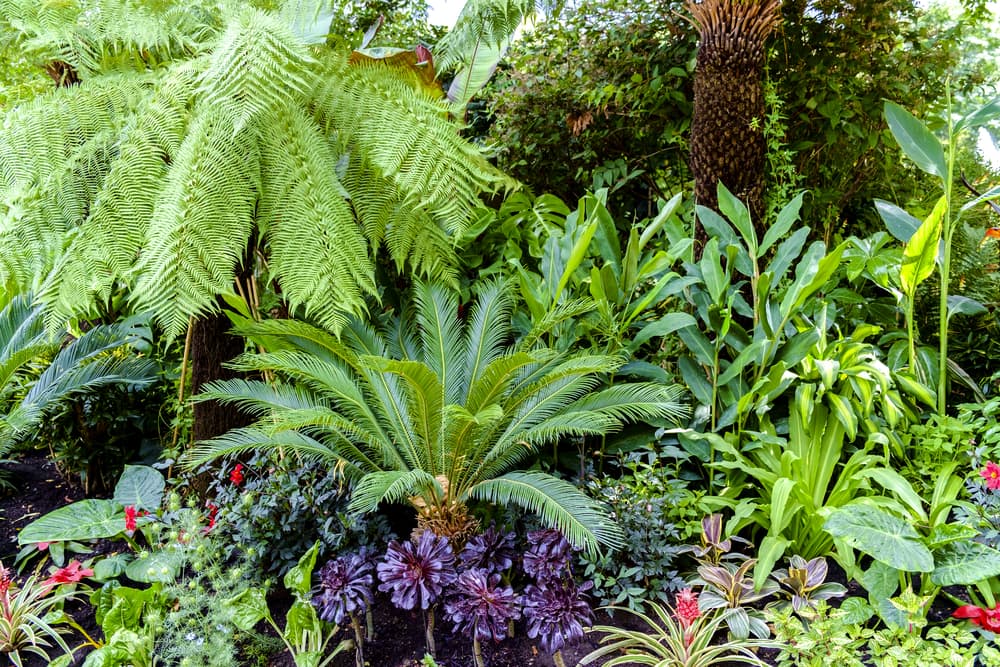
{"points": [[436, 410]]}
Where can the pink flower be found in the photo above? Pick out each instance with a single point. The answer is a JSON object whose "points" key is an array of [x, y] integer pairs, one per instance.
{"points": [[236, 476], [42, 546], [70, 574], [130, 519], [687, 607], [991, 473], [987, 619]]}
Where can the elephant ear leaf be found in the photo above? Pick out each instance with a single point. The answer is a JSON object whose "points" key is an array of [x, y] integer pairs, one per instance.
{"points": [[918, 143]]}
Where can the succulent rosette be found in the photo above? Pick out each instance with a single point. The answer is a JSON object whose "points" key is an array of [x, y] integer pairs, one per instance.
{"points": [[492, 550], [416, 573], [548, 555], [482, 604], [557, 613], [345, 588]]}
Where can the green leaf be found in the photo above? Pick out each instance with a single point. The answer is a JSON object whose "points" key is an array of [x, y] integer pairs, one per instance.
{"points": [[772, 547], [920, 254], [161, 566], [141, 487], [893, 481], [124, 614], [664, 326], [880, 580], [787, 217], [249, 608], [964, 563], [89, 519], [712, 273], [111, 566], [844, 411], [984, 114], [918, 143], [299, 578], [900, 224], [738, 214], [300, 621], [882, 536], [963, 305]]}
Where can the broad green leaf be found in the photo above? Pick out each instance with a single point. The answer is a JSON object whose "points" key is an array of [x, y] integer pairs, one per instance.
{"points": [[249, 608], [964, 563], [981, 116], [698, 345], [915, 388], [299, 578], [576, 255], [694, 378], [712, 272], [124, 614], [161, 566], [89, 519], [781, 511], [787, 252], [842, 409], [111, 566], [963, 305], [797, 347], [787, 217], [301, 619], [739, 215], [855, 611], [749, 354], [880, 580], [771, 549], [141, 487], [892, 481], [918, 143], [664, 326], [661, 218], [882, 536], [470, 79], [900, 224], [988, 196], [920, 254], [715, 226]]}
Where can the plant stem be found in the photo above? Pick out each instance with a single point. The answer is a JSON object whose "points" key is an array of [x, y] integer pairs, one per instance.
{"points": [[558, 659], [369, 625], [477, 650], [429, 631], [946, 266], [359, 641]]}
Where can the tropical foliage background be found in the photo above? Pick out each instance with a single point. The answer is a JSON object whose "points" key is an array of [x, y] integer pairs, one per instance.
{"points": [[685, 308]]}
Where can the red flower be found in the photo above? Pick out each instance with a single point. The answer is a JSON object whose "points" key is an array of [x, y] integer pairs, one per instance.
{"points": [[991, 473], [130, 519], [212, 512], [987, 619], [236, 476], [993, 233], [70, 574], [687, 607]]}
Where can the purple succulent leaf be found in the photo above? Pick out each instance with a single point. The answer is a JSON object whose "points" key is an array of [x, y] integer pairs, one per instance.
{"points": [[345, 588], [557, 613], [415, 574], [481, 603], [492, 550], [548, 556]]}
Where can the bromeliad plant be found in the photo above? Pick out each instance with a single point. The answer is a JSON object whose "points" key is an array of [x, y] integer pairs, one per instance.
{"points": [[678, 637], [435, 410], [24, 624]]}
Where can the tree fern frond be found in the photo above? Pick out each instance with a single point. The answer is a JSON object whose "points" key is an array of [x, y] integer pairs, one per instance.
{"points": [[557, 503], [320, 256], [258, 68], [481, 22], [414, 237], [200, 226]]}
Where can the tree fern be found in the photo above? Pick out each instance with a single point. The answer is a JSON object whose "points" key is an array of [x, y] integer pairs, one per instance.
{"points": [[445, 422]]}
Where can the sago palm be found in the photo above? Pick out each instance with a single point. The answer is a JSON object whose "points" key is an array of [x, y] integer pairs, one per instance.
{"points": [[435, 410]]}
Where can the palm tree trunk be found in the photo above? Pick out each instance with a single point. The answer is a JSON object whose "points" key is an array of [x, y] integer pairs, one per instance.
{"points": [[727, 136]]}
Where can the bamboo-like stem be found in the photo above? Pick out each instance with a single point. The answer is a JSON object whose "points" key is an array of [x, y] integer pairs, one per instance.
{"points": [[180, 391]]}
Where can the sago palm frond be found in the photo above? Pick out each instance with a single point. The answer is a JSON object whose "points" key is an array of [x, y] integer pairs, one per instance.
{"points": [[259, 399], [391, 486], [558, 503]]}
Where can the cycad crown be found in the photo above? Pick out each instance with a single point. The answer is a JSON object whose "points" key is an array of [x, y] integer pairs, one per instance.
{"points": [[436, 410]]}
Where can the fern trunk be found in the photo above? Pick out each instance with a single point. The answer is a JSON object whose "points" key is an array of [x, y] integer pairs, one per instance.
{"points": [[727, 137], [211, 346]]}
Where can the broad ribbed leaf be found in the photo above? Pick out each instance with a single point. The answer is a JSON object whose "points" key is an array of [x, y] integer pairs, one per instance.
{"points": [[964, 563], [89, 519], [882, 536], [918, 143], [920, 254], [141, 487]]}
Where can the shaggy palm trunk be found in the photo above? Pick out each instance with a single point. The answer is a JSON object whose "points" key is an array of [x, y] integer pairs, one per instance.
{"points": [[211, 346], [727, 136]]}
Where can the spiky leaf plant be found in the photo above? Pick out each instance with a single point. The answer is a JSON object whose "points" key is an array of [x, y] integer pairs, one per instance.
{"points": [[436, 410], [727, 136], [203, 135]]}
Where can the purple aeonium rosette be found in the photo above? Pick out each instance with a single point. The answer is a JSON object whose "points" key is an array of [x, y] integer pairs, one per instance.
{"points": [[483, 605], [416, 573], [548, 555], [492, 550], [345, 588], [557, 613]]}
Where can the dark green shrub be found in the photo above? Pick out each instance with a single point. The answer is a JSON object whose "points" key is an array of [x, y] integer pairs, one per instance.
{"points": [[281, 507]]}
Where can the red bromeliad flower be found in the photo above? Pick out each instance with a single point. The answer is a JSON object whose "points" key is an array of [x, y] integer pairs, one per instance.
{"points": [[687, 607], [130, 519], [992, 233], [236, 476], [70, 574], [991, 473], [987, 619]]}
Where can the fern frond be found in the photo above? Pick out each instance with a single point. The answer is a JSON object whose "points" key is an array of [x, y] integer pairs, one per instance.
{"points": [[387, 486], [635, 402], [441, 336], [486, 332], [316, 248], [258, 68], [200, 226], [557, 503], [259, 399], [481, 23], [242, 440]]}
